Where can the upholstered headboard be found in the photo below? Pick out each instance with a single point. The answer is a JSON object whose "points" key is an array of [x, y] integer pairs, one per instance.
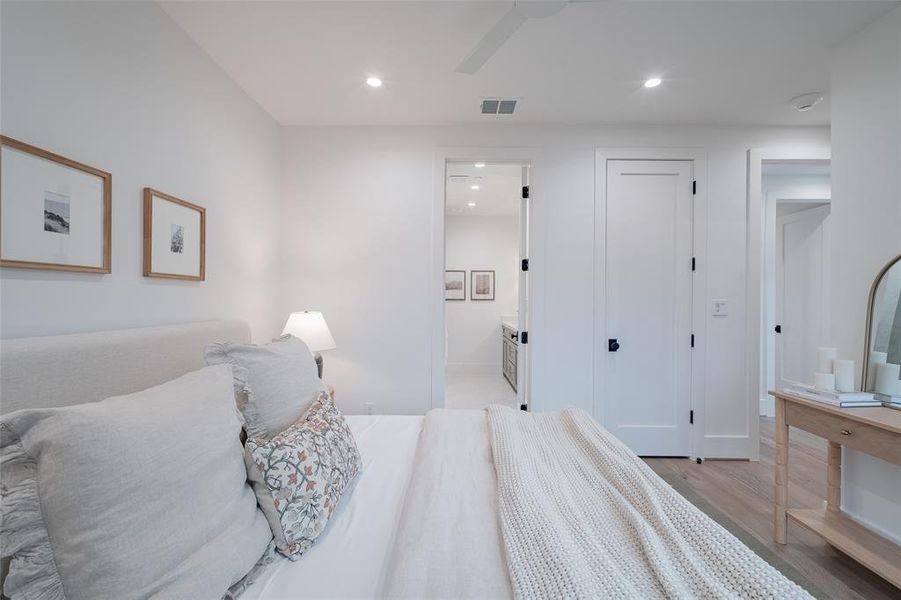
{"points": [[62, 370]]}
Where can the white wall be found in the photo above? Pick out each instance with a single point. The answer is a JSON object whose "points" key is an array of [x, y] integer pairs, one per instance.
{"points": [[778, 189], [358, 246], [866, 210], [120, 87], [474, 327]]}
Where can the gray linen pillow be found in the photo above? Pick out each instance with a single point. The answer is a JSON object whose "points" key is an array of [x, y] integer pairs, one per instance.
{"points": [[131, 497], [276, 383]]}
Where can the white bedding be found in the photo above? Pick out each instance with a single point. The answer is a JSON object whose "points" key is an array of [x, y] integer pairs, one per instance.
{"points": [[553, 506], [449, 542], [350, 559], [467, 504], [583, 517]]}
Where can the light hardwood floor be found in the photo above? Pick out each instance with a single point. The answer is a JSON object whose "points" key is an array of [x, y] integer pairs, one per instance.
{"points": [[744, 492]]}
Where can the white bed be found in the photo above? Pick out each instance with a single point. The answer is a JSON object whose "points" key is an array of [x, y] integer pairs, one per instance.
{"points": [[455, 504], [351, 558]]}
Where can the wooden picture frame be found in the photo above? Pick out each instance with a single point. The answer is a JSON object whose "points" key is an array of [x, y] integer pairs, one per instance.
{"points": [[175, 237], [454, 277], [477, 285], [69, 181]]}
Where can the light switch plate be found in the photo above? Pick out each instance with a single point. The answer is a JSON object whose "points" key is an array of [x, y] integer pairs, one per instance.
{"points": [[720, 308]]}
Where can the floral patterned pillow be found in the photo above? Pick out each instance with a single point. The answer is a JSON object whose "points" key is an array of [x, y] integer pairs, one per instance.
{"points": [[299, 475]]}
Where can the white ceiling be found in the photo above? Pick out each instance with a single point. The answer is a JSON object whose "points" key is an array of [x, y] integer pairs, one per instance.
{"points": [[731, 62], [499, 193]]}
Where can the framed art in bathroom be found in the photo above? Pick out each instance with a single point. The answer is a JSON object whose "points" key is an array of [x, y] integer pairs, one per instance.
{"points": [[481, 285], [174, 237], [55, 213], [455, 285]]}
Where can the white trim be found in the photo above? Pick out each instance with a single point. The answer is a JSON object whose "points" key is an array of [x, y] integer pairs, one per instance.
{"points": [[729, 447], [754, 285], [528, 156], [768, 407], [699, 282]]}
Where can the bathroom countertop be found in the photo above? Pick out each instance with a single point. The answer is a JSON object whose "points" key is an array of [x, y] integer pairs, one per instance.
{"points": [[510, 322]]}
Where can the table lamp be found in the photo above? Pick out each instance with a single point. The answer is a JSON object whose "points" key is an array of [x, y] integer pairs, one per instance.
{"points": [[310, 326]]}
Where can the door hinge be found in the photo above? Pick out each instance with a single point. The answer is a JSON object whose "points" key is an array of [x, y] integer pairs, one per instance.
{"points": [[692, 340], [694, 187], [692, 263], [691, 417], [525, 191], [525, 264], [778, 328], [523, 337]]}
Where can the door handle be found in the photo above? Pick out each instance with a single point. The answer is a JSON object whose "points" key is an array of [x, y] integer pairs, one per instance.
{"points": [[612, 345]]}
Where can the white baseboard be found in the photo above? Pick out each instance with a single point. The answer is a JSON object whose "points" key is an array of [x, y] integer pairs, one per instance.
{"points": [[733, 447], [768, 407], [474, 370]]}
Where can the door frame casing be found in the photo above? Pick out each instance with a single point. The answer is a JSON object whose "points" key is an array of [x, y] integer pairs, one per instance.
{"points": [[754, 274], [698, 156], [530, 156]]}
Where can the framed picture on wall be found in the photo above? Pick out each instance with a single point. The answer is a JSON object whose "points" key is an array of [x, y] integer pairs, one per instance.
{"points": [[455, 285], [55, 213], [481, 285], [174, 237]]}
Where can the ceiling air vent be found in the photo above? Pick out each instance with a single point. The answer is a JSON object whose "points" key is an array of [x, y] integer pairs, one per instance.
{"points": [[498, 106]]}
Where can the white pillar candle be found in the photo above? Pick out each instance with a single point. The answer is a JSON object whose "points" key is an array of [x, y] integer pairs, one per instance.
{"points": [[844, 375], [825, 356], [876, 358], [887, 378], [824, 381]]}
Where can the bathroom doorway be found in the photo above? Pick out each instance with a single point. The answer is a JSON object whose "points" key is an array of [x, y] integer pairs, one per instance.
{"points": [[486, 281]]}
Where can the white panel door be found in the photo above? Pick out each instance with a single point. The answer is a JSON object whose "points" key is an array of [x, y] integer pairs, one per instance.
{"points": [[648, 305], [800, 294]]}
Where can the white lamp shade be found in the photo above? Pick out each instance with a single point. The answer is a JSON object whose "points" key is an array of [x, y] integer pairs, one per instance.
{"points": [[310, 326]]}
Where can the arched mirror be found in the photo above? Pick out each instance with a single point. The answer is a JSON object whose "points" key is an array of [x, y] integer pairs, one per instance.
{"points": [[882, 350]]}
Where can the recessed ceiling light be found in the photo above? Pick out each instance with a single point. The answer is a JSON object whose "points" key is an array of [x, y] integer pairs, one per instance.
{"points": [[473, 187], [374, 82], [479, 165], [653, 82], [471, 204]]}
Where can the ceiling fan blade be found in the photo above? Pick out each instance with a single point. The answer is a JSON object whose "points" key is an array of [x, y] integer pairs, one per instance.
{"points": [[492, 41]]}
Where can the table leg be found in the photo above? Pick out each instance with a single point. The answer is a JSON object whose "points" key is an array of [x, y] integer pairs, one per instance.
{"points": [[834, 477], [781, 519]]}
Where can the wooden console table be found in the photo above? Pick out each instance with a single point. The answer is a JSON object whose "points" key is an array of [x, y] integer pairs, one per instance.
{"points": [[875, 431]]}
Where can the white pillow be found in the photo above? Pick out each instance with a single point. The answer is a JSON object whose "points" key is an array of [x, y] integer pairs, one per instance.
{"points": [[131, 497], [276, 383]]}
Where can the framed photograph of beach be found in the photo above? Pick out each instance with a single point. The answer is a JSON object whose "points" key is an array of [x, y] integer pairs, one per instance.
{"points": [[55, 213]]}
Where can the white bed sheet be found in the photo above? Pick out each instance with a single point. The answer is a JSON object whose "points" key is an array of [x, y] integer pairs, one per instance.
{"points": [[351, 558]]}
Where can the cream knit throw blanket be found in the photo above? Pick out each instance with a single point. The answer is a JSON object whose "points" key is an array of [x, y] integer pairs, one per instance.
{"points": [[584, 517]]}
